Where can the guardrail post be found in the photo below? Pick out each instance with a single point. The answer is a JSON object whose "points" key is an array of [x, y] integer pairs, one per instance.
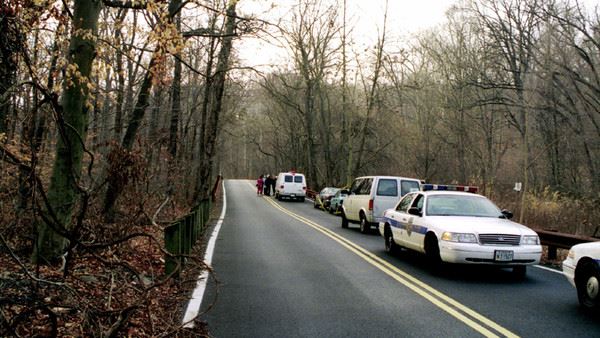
{"points": [[187, 234], [173, 246], [206, 211], [552, 252], [195, 231], [200, 216]]}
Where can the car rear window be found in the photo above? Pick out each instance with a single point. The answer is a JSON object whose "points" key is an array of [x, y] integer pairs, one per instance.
{"points": [[298, 179], [387, 187], [408, 186], [289, 178]]}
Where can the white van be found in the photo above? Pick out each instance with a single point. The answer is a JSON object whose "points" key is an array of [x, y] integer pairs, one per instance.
{"points": [[290, 185], [370, 196]]}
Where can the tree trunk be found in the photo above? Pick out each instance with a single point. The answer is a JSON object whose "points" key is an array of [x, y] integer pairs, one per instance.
{"points": [[309, 112], [218, 88], [10, 43], [137, 115], [175, 95], [114, 188], [372, 95], [63, 190], [118, 123]]}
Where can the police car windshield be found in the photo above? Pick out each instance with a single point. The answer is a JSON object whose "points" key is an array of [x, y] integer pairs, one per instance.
{"points": [[459, 205]]}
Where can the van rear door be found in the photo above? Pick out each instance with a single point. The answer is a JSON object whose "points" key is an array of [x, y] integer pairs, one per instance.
{"points": [[294, 185], [387, 194]]}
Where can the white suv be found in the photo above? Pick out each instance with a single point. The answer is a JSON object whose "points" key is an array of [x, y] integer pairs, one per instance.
{"points": [[370, 196]]}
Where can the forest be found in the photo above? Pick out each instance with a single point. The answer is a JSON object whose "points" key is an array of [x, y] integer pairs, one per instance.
{"points": [[117, 116]]}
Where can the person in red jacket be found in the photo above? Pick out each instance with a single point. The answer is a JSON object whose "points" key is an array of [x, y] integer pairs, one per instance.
{"points": [[259, 185]]}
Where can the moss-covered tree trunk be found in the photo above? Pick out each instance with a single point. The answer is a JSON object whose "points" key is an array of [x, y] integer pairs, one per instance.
{"points": [[63, 191]]}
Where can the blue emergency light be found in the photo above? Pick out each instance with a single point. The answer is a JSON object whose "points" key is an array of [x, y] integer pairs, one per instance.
{"points": [[466, 188]]}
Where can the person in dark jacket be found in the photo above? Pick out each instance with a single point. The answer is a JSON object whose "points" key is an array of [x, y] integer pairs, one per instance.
{"points": [[268, 185]]}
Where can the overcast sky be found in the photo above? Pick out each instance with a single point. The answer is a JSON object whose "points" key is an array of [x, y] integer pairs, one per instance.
{"points": [[404, 17]]}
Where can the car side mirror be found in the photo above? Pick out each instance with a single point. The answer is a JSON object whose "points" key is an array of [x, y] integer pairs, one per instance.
{"points": [[344, 192], [507, 214], [415, 211]]}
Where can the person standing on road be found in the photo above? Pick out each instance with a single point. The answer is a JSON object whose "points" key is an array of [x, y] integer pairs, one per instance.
{"points": [[268, 185], [259, 185]]}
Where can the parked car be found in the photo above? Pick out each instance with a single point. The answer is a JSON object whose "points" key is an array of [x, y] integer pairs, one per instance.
{"points": [[370, 196], [335, 204], [582, 269], [459, 226], [323, 198], [290, 185]]}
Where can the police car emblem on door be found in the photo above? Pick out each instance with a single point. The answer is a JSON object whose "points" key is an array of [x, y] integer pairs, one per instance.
{"points": [[409, 226]]}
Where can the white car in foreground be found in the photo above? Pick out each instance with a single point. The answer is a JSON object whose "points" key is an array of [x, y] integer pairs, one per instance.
{"points": [[453, 224], [582, 269]]}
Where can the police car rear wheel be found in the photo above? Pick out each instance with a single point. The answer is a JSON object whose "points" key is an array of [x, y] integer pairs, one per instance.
{"points": [[588, 286], [390, 245]]}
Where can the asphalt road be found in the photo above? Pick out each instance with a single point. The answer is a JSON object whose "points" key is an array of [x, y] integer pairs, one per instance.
{"points": [[286, 269]]}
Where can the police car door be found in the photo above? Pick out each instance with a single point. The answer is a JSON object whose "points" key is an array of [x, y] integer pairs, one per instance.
{"points": [[415, 227], [399, 218]]}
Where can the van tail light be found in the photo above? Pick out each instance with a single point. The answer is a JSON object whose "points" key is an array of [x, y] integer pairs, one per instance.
{"points": [[303, 188], [281, 187], [370, 204]]}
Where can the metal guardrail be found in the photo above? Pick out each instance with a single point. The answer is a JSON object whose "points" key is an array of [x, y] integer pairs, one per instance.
{"points": [[181, 235], [555, 240]]}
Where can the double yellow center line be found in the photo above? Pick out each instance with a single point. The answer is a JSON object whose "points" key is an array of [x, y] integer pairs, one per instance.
{"points": [[478, 322]]}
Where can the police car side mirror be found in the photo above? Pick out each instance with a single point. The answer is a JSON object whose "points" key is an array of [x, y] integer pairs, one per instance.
{"points": [[415, 211], [507, 214]]}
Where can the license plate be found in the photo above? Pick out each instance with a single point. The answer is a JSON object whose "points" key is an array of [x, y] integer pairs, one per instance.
{"points": [[503, 255], [293, 195]]}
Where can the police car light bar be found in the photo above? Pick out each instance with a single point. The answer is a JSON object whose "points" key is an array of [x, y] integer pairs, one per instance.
{"points": [[426, 187]]}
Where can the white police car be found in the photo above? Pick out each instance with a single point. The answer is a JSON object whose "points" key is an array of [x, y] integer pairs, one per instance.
{"points": [[453, 224], [582, 269]]}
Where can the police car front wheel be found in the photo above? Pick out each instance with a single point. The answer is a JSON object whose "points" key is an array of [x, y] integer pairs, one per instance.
{"points": [[588, 285]]}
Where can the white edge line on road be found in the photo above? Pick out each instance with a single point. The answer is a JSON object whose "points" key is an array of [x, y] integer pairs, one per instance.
{"points": [[548, 269], [193, 307]]}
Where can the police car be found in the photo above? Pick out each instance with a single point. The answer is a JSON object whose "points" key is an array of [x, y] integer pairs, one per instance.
{"points": [[582, 269], [453, 224]]}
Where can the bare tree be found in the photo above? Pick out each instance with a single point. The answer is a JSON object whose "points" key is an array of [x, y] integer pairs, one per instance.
{"points": [[513, 27]]}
